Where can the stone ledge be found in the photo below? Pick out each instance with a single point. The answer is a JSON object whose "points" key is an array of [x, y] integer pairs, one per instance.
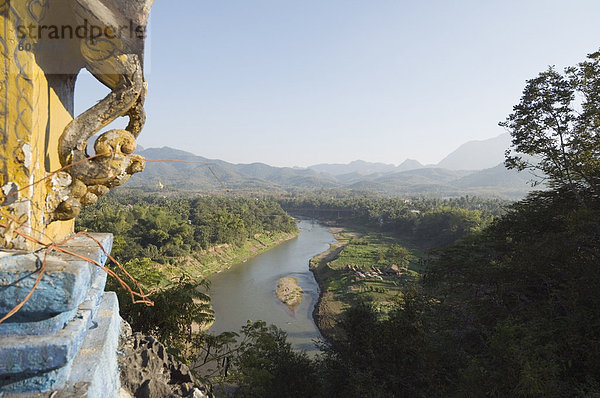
{"points": [[62, 288], [40, 353], [55, 324], [94, 372], [65, 283], [39, 346], [96, 365]]}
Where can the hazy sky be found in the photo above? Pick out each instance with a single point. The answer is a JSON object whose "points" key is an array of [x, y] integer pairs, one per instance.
{"points": [[322, 81]]}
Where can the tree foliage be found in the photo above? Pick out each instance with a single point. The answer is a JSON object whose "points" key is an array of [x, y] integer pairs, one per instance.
{"points": [[433, 222], [164, 228], [152, 235], [511, 310], [557, 122], [180, 306], [259, 362]]}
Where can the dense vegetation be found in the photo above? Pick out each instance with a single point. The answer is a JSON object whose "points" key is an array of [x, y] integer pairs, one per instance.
{"points": [[431, 221], [163, 244], [164, 228], [511, 310]]}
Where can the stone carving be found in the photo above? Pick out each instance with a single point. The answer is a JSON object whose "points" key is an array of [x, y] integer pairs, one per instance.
{"points": [[58, 328], [116, 62], [45, 44]]}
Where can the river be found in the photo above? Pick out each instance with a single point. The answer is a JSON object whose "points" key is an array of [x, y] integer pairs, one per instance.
{"points": [[247, 291]]}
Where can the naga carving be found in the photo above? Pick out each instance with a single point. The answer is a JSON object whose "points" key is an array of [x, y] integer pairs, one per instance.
{"points": [[45, 44], [117, 62]]}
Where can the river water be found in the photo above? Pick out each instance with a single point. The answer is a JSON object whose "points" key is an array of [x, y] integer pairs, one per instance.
{"points": [[247, 291]]}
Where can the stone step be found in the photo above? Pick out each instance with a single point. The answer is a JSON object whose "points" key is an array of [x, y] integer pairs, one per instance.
{"points": [[94, 371], [62, 289], [43, 356], [38, 347]]}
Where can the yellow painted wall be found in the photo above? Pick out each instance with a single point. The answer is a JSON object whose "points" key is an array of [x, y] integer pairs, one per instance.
{"points": [[31, 115], [59, 118]]}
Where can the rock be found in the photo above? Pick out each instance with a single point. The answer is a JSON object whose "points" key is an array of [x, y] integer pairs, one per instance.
{"points": [[198, 394], [148, 371], [153, 388]]}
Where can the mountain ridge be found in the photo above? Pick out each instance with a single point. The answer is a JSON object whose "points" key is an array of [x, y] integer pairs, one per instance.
{"points": [[214, 174], [477, 154]]}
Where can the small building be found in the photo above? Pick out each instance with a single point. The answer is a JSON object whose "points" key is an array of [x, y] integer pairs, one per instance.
{"points": [[393, 270]]}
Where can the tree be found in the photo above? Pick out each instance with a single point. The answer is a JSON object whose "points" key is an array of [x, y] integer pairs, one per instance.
{"points": [[399, 255], [259, 361], [557, 122], [179, 306]]}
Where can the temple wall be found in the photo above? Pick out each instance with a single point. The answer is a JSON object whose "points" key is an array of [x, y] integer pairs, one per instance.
{"points": [[59, 330], [32, 118]]}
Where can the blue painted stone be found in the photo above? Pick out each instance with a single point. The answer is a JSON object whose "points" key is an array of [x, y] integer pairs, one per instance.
{"points": [[34, 354], [64, 285], [37, 385], [47, 326], [85, 246], [93, 373], [37, 355], [96, 365], [55, 324]]}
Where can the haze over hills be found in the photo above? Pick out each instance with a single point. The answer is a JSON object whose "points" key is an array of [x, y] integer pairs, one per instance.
{"points": [[364, 168], [477, 155], [473, 155], [458, 177]]}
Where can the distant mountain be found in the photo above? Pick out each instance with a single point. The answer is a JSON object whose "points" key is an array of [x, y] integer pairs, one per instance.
{"points": [[197, 175], [422, 176], [409, 164], [477, 155], [473, 155], [361, 167], [421, 181], [494, 177], [357, 166]]}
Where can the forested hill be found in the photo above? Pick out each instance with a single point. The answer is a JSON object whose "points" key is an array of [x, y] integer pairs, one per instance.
{"points": [[166, 228], [496, 181]]}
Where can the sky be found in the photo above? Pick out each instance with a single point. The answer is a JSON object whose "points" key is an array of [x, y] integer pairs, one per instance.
{"points": [[296, 83]]}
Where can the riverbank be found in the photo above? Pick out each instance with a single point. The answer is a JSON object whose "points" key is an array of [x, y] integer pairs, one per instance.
{"points": [[222, 257], [361, 266], [249, 290], [328, 309]]}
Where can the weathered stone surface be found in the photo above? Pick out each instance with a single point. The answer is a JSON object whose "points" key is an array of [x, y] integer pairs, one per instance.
{"points": [[92, 373], [38, 355], [44, 327], [32, 355], [96, 364], [63, 287], [65, 283], [147, 370]]}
